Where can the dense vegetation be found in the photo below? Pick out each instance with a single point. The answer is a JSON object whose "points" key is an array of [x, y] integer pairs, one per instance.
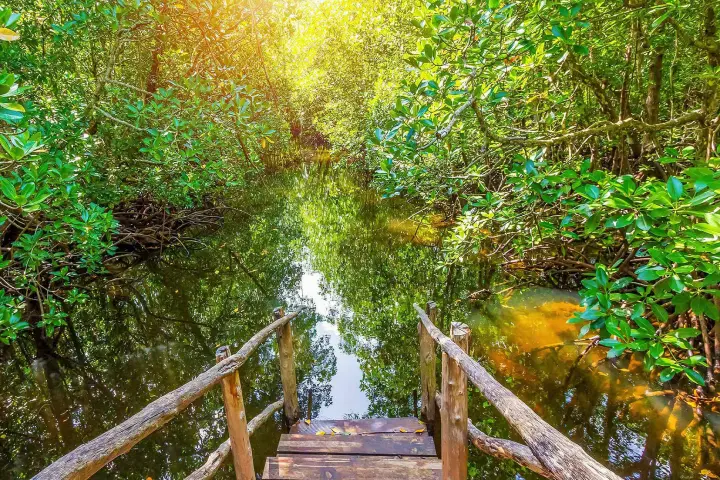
{"points": [[121, 122], [571, 143], [577, 139]]}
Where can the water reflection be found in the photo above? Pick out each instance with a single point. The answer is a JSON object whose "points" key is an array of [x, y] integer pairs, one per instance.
{"points": [[348, 400], [322, 239], [612, 408]]}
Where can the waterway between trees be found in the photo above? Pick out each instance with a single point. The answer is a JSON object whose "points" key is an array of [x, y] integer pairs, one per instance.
{"points": [[323, 239]]}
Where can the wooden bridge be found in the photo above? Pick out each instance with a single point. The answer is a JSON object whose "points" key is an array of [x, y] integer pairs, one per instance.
{"points": [[386, 448]]}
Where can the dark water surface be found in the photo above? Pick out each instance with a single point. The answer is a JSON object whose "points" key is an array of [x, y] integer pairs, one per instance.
{"points": [[321, 239]]}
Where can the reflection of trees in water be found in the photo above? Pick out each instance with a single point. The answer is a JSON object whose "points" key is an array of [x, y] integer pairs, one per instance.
{"points": [[379, 274], [156, 328], [316, 367], [600, 405], [153, 329]]}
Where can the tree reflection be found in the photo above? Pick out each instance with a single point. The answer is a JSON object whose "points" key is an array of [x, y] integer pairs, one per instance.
{"points": [[156, 326], [153, 328]]}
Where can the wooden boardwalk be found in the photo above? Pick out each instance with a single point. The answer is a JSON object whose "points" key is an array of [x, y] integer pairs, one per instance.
{"points": [[375, 448], [380, 448]]}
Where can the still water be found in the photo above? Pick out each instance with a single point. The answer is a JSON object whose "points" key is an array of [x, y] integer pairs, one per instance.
{"points": [[323, 240]]}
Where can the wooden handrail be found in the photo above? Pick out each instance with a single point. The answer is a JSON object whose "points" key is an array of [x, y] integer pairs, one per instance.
{"points": [[502, 448], [90, 457], [428, 361], [217, 458], [288, 377], [562, 458]]}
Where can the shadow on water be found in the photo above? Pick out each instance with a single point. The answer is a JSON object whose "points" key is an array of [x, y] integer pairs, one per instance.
{"points": [[322, 239]]}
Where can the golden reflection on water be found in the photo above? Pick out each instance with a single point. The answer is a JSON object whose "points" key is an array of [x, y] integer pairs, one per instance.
{"points": [[527, 342], [532, 327], [416, 232]]}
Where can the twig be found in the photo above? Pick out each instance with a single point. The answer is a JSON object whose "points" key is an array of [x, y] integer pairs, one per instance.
{"points": [[117, 120]]}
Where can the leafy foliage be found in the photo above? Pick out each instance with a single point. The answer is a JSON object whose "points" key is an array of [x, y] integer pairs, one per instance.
{"points": [[568, 140], [91, 137], [344, 63]]}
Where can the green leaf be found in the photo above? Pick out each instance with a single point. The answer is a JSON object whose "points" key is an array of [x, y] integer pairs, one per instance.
{"points": [[13, 106], [581, 50], [620, 221], [681, 302], [649, 274], [559, 32], [643, 222], [645, 325], [699, 305], [609, 342], [676, 284], [686, 332], [667, 374], [601, 276], [379, 135], [674, 188], [591, 223], [656, 350], [8, 189], [621, 283], [10, 115], [648, 363], [707, 228], [666, 362], [660, 313], [712, 226], [695, 360], [616, 351], [694, 376]]}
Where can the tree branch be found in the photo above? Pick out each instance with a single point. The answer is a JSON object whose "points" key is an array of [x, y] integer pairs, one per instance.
{"points": [[622, 125], [685, 37], [443, 132], [117, 120]]}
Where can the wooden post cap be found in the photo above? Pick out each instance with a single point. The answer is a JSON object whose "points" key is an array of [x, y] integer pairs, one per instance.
{"points": [[459, 330]]}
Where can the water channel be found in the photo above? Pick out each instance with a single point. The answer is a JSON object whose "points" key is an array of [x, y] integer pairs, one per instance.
{"points": [[322, 239]]}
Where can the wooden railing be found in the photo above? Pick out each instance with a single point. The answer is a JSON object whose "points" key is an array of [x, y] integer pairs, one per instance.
{"points": [[90, 457], [546, 451]]}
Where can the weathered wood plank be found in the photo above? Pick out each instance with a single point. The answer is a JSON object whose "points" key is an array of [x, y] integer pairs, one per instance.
{"points": [[454, 418], [356, 427], [217, 458], [428, 360], [415, 445], [502, 448], [560, 456], [90, 457], [341, 467], [288, 377], [236, 421]]}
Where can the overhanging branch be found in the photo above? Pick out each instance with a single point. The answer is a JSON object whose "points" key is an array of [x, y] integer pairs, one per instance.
{"points": [[117, 120], [687, 38], [609, 127]]}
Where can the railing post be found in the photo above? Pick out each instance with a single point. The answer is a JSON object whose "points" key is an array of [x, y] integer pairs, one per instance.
{"points": [[236, 421], [428, 382], [287, 370], [454, 435]]}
